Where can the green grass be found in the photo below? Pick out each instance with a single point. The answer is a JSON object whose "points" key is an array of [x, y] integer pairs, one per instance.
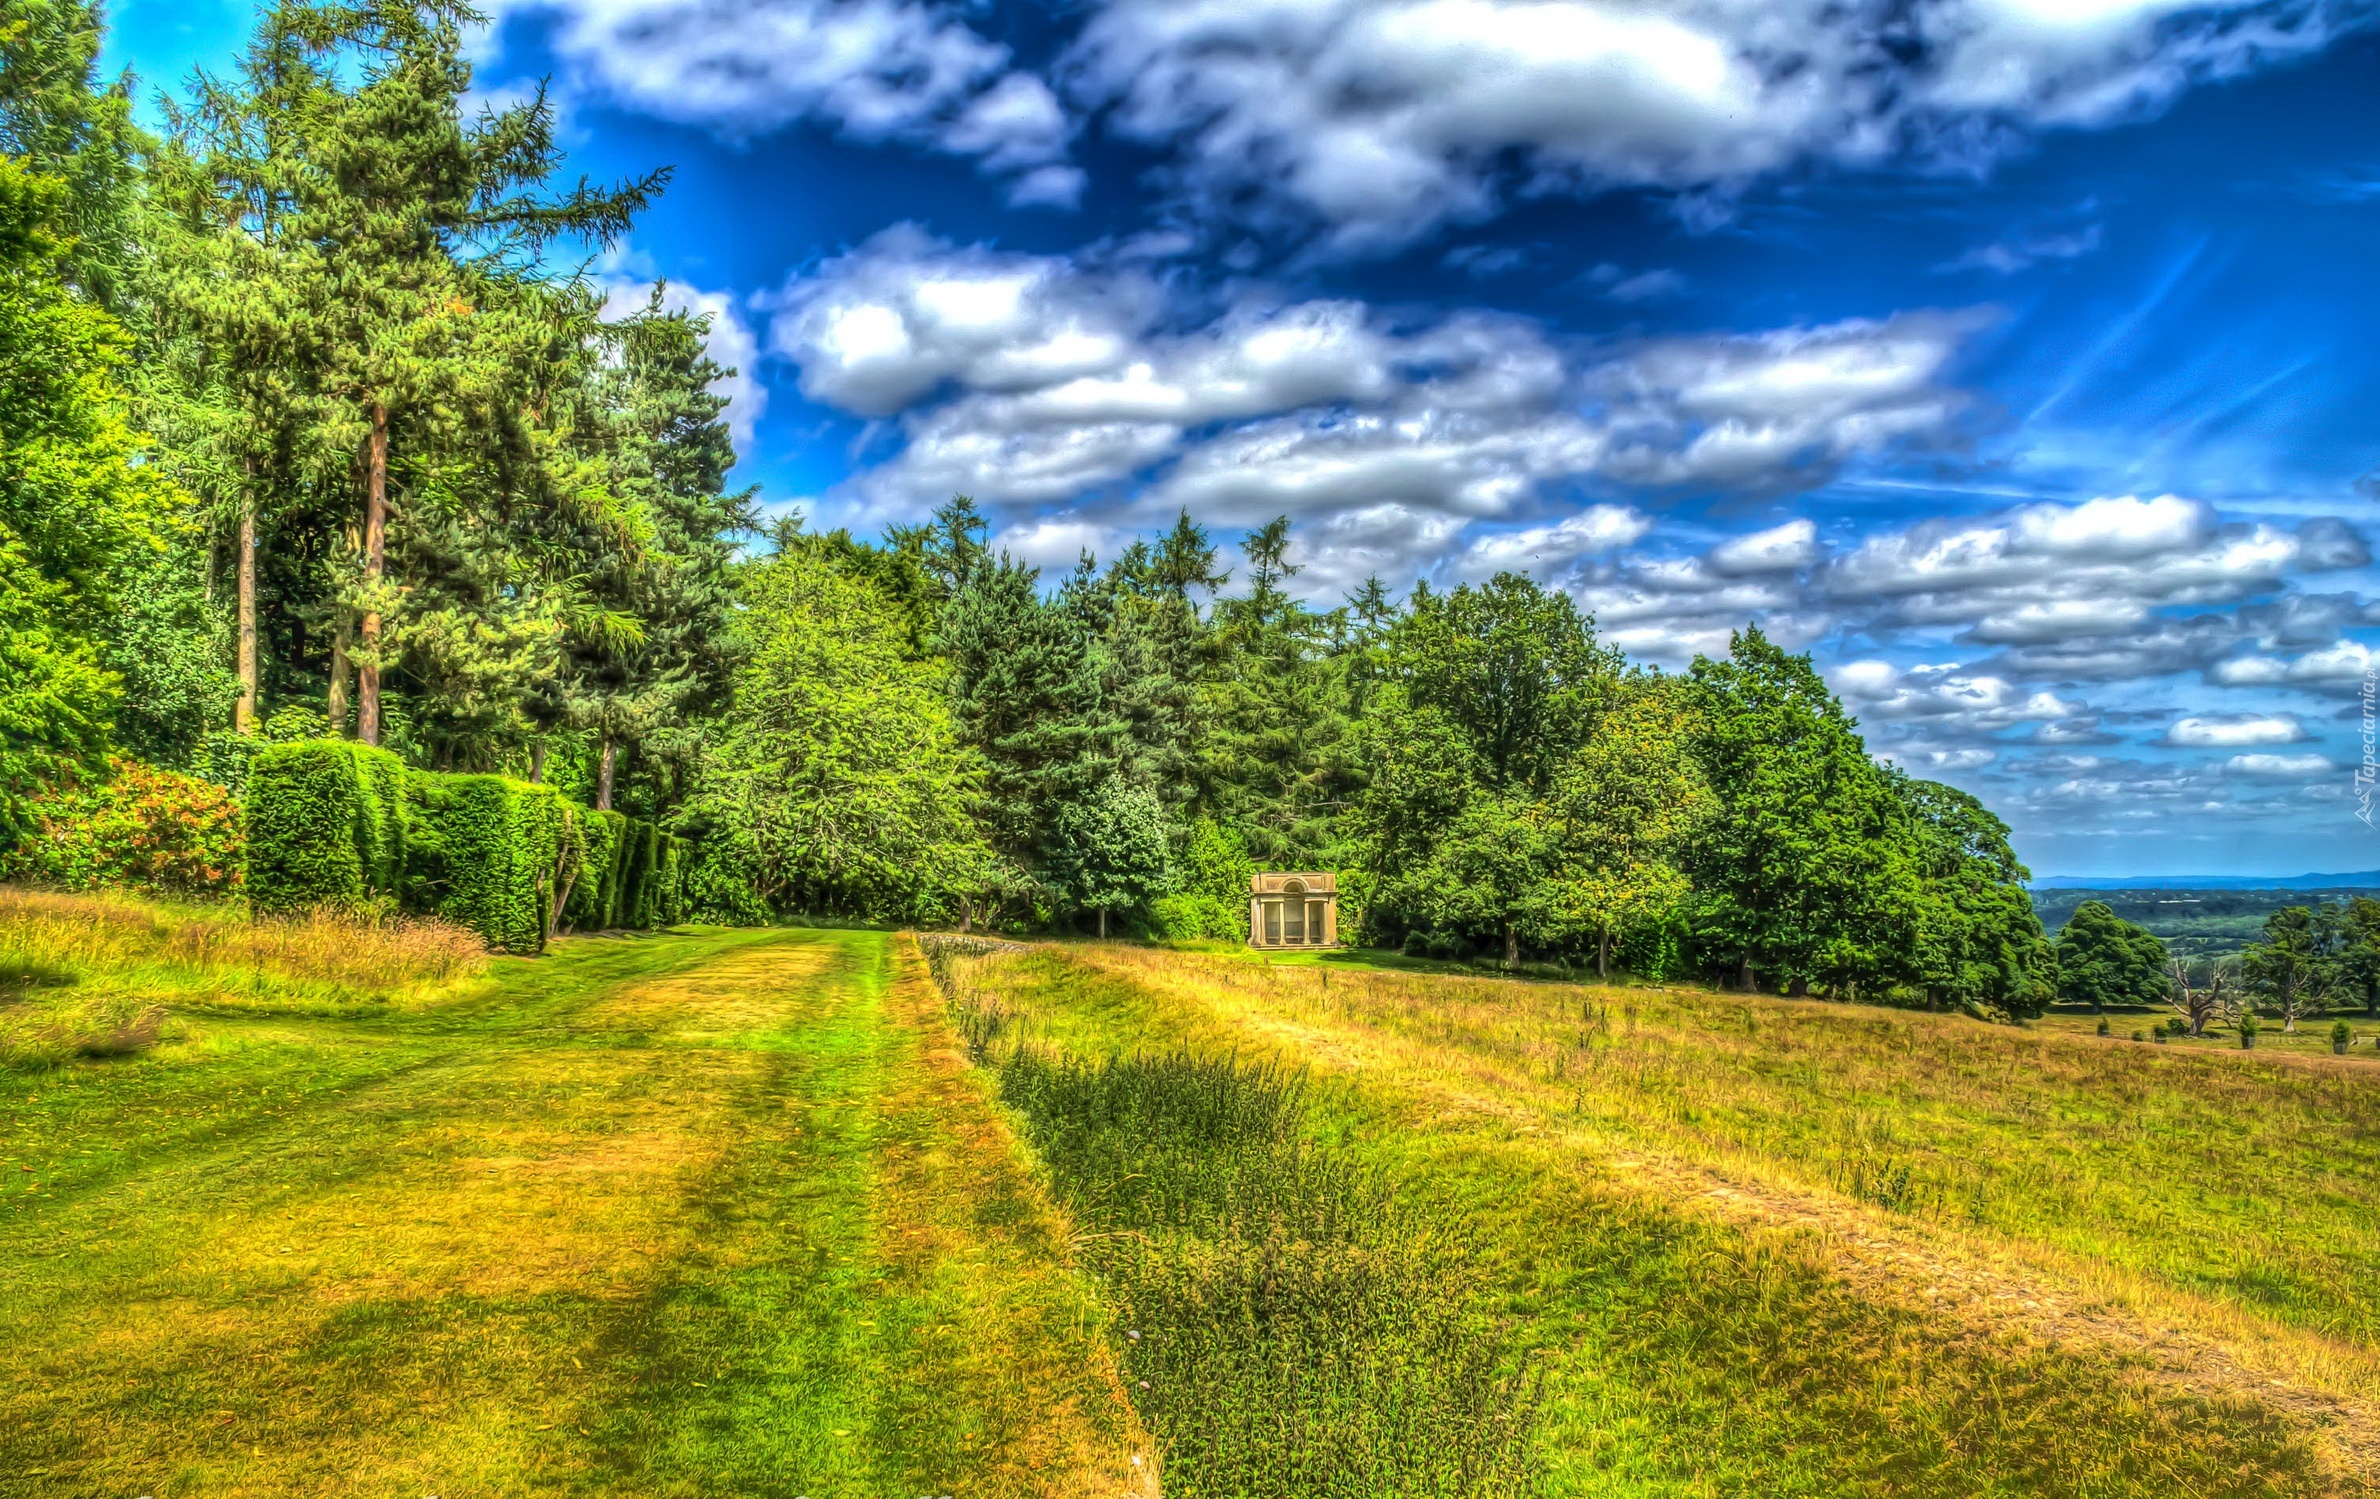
{"points": [[716, 1213], [1693, 1352]]}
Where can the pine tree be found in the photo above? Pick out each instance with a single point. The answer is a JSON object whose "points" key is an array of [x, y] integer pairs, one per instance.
{"points": [[424, 287]]}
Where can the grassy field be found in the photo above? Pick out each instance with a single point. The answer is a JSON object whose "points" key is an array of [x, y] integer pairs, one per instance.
{"points": [[705, 1214], [327, 1210], [1781, 1247]]}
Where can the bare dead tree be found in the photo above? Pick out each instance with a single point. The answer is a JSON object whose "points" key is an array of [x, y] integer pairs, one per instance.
{"points": [[2196, 1004]]}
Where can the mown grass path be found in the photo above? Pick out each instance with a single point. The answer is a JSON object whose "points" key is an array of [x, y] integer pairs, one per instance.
{"points": [[709, 1215]]}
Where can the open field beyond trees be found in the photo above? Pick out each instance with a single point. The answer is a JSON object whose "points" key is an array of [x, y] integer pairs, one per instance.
{"points": [[762, 1212]]}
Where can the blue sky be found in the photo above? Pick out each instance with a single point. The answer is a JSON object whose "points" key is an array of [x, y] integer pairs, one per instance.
{"points": [[2015, 357]]}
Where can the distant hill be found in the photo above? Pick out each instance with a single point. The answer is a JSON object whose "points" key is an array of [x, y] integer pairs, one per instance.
{"points": [[2199, 916], [2369, 879]]}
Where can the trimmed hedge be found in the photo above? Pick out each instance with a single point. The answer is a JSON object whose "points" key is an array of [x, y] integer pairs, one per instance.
{"points": [[336, 824], [489, 855], [326, 826], [598, 834]]}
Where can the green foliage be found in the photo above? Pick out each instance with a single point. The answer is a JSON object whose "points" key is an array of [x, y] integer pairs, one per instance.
{"points": [[1108, 852], [588, 905], [1287, 1326], [2105, 960], [54, 696], [1213, 901], [2298, 964], [327, 826], [487, 853], [1791, 868], [720, 891], [839, 783], [143, 828]]}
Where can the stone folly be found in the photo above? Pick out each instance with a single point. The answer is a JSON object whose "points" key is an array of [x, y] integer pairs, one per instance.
{"points": [[1293, 910]]}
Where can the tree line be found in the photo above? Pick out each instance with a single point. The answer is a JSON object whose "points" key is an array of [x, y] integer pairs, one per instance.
{"points": [[2308, 960], [311, 425]]}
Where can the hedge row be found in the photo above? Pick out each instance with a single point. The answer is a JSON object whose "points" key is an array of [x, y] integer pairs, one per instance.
{"points": [[337, 824]]}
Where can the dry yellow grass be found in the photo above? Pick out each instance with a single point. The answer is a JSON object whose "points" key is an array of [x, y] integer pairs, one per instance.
{"points": [[2188, 1221]]}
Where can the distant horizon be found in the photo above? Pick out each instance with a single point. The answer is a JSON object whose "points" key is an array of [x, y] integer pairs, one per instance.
{"points": [[2317, 880]]}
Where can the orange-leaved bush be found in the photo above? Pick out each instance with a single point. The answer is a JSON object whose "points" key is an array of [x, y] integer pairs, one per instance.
{"points": [[144, 828]]}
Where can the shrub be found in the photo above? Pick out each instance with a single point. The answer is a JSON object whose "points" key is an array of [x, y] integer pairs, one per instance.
{"points": [[2342, 1036], [143, 828], [2248, 1028], [325, 826], [589, 903], [1197, 915], [669, 905], [719, 889], [488, 853], [2103, 1028]]}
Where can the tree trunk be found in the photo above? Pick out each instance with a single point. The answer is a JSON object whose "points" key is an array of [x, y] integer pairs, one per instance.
{"points": [[367, 695], [966, 916], [1103, 923], [1602, 957], [243, 714], [537, 763], [2371, 1002], [1801, 988], [603, 774], [566, 877], [1745, 980], [1512, 946], [340, 640]]}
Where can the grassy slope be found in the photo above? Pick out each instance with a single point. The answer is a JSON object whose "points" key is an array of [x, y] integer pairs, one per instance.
{"points": [[1707, 1352], [721, 1214]]}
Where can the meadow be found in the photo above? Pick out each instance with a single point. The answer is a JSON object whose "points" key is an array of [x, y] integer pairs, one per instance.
{"points": [[849, 1213], [1738, 1244], [715, 1212]]}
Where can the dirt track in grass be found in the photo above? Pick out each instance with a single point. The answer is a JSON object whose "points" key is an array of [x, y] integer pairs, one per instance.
{"points": [[670, 1216]]}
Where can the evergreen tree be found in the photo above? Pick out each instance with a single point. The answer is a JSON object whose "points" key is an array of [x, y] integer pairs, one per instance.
{"points": [[422, 274], [58, 119], [1273, 710]]}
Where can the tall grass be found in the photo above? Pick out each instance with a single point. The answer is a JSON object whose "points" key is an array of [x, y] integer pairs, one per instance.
{"points": [[1779, 1351], [1285, 1326], [95, 975]]}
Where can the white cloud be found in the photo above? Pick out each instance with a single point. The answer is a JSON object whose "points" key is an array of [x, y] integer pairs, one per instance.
{"points": [[1027, 379], [877, 70], [2007, 257], [1379, 118], [1545, 550], [1779, 549], [2280, 767], [2345, 663], [2230, 731], [732, 344]]}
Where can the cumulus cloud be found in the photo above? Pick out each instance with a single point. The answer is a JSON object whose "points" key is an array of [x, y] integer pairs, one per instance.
{"points": [[2279, 767], [876, 70], [1379, 118], [2229, 731], [732, 343], [1039, 379], [2344, 663]]}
